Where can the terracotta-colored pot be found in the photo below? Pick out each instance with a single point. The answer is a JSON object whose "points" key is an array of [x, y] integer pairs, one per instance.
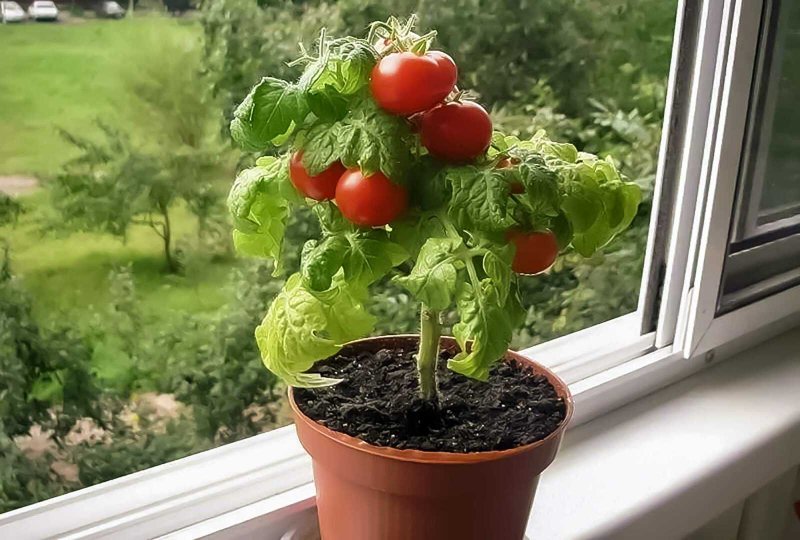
{"points": [[367, 492]]}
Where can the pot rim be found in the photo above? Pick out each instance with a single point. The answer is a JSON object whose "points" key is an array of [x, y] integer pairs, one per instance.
{"points": [[436, 457]]}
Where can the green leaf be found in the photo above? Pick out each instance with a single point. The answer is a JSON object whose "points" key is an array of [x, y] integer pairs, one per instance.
{"points": [[370, 256], [541, 195], [435, 276], [497, 266], [429, 188], [595, 202], [365, 257], [413, 231], [302, 327], [484, 329], [480, 199], [367, 138], [374, 140], [321, 261], [564, 152], [328, 104], [331, 219], [259, 204], [582, 207], [271, 109], [321, 147], [345, 66]]}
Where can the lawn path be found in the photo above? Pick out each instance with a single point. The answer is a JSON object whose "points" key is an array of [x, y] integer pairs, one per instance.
{"points": [[18, 185]]}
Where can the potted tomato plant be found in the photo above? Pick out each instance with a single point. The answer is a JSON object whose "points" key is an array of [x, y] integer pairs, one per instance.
{"points": [[424, 436]]}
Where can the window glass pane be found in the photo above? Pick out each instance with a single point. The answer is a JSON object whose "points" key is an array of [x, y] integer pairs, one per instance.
{"points": [[126, 320], [781, 192], [765, 242], [771, 192]]}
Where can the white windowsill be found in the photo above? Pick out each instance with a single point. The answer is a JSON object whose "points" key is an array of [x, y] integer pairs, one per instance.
{"points": [[664, 465], [657, 467]]}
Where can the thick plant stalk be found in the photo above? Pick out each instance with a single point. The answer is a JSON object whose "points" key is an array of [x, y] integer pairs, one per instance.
{"points": [[430, 330]]}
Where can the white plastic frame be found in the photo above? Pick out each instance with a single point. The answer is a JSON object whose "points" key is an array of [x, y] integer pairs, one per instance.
{"points": [[699, 330]]}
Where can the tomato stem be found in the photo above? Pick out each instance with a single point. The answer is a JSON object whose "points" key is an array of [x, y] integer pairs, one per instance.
{"points": [[430, 332]]}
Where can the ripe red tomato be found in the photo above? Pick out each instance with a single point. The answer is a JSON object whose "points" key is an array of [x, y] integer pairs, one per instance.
{"points": [[457, 131], [536, 251], [370, 201], [321, 187], [406, 83]]}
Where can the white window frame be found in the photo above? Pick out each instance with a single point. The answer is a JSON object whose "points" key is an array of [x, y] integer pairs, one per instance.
{"points": [[265, 478]]}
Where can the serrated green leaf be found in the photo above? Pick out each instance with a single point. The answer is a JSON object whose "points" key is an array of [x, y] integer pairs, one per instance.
{"points": [[480, 199], [483, 331], [374, 140], [328, 104], [331, 219], [435, 276], [302, 327], [321, 261], [271, 109], [497, 266], [367, 138], [259, 205], [344, 66], [541, 195], [321, 147], [370, 256], [582, 208], [413, 231]]}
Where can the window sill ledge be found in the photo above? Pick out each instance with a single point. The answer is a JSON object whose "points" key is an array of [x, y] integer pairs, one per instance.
{"points": [[663, 466], [690, 450]]}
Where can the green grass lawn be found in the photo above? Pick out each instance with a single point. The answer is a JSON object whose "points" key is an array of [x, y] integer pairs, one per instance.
{"points": [[65, 75], [68, 75], [68, 274]]}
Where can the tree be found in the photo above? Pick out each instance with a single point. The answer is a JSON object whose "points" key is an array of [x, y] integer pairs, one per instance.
{"points": [[120, 182], [113, 185]]}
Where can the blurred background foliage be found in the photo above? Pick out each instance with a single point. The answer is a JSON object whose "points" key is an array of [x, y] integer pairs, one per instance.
{"points": [[108, 363]]}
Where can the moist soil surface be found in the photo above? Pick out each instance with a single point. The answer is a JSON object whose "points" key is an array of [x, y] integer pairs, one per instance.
{"points": [[378, 402]]}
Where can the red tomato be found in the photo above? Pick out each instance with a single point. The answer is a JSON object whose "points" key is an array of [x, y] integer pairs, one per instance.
{"points": [[406, 83], [457, 131], [370, 201], [516, 187], [536, 251], [320, 187]]}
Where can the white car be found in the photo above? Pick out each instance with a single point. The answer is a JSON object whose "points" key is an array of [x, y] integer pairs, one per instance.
{"points": [[43, 10], [11, 12], [110, 10]]}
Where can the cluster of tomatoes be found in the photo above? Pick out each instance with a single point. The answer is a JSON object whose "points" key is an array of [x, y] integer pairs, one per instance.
{"points": [[415, 86]]}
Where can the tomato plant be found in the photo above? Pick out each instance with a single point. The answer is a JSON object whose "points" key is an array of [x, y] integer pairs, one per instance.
{"points": [[320, 187], [516, 187], [444, 209], [534, 252], [370, 201], [459, 131], [406, 82]]}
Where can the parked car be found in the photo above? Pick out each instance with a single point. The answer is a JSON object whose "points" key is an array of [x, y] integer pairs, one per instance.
{"points": [[43, 10], [11, 12], [109, 10]]}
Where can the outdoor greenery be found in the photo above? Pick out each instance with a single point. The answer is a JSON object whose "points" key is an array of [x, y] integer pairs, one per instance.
{"points": [[109, 364]]}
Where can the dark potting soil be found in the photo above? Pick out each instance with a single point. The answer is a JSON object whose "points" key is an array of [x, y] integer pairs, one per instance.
{"points": [[378, 403]]}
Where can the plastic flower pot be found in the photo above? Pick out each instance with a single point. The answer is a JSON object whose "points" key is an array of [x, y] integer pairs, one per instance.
{"points": [[367, 492]]}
